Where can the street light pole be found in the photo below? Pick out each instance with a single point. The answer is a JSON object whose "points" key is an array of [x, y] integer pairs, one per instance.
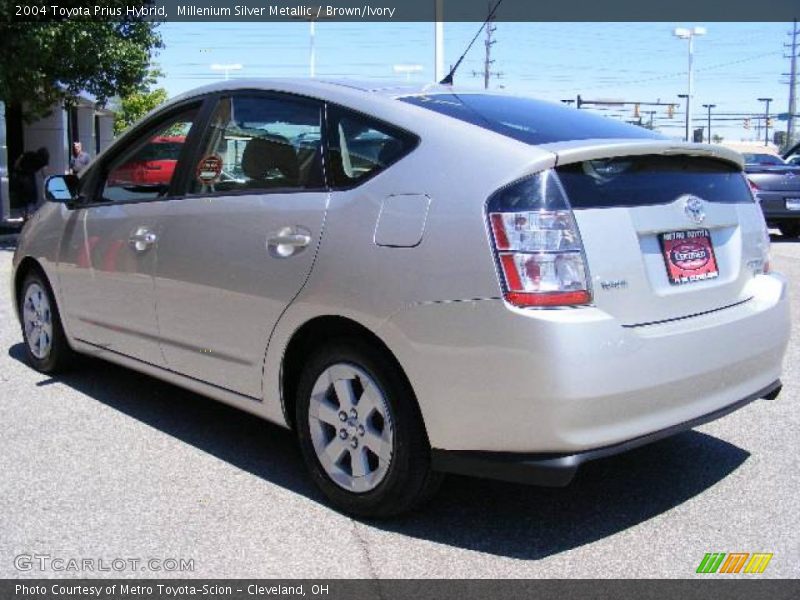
{"points": [[226, 68], [312, 56], [709, 107], [766, 119], [689, 34]]}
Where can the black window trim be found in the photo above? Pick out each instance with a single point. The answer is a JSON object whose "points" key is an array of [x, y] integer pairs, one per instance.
{"points": [[197, 152], [99, 173], [193, 148]]}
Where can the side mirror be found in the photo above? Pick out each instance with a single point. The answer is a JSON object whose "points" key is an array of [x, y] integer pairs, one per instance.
{"points": [[61, 188]]}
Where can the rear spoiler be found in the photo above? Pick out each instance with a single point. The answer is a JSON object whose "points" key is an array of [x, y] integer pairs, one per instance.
{"points": [[580, 150]]}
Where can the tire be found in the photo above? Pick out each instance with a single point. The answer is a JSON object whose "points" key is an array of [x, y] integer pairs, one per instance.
{"points": [[374, 464], [790, 230], [46, 347]]}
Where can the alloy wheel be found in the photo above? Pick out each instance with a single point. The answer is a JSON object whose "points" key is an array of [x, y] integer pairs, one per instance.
{"points": [[38, 320], [351, 427]]}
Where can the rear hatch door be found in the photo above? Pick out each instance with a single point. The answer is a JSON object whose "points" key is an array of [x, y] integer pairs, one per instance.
{"points": [[669, 230]]}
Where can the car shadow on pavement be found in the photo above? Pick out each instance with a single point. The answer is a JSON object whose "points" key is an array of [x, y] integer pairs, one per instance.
{"points": [[777, 238], [607, 497]]}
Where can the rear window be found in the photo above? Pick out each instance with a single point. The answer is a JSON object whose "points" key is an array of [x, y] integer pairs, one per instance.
{"points": [[763, 159], [528, 120], [361, 147], [651, 179]]}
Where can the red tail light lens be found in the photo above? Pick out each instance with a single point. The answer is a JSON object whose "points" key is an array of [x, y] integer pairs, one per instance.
{"points": [[537, 244]]}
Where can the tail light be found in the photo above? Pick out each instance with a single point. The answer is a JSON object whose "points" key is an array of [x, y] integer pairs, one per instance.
{"points": [[537, 244], [764, 244]]}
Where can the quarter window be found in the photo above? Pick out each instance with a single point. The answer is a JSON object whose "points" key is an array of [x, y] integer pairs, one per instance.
{"points": [[146, 170], [261, 143], [361, 147]]}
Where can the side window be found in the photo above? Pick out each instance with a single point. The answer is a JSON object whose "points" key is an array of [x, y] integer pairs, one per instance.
{"points": [[144, 171], [261, 143], [361, 147]]}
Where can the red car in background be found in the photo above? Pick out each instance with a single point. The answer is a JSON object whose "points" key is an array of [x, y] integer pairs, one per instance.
{"points": [[153, 165]]}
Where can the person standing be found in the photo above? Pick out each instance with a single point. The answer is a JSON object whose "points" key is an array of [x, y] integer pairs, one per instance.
{"points": [[79, 159], [24, 181]]}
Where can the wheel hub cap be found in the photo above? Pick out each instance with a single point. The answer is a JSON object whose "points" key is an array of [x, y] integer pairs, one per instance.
{"points": [[351, 427], [37, 321]]}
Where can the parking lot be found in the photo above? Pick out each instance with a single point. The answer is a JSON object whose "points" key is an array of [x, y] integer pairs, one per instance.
{"points": [[104, 463]]}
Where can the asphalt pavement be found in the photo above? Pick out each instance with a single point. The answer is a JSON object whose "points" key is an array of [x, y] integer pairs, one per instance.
{"points": [[105, 464]]}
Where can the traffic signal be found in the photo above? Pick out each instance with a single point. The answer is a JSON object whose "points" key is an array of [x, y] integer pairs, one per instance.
{"points": [[769, 123], [636, 113], [747, 123], [670, 110]]}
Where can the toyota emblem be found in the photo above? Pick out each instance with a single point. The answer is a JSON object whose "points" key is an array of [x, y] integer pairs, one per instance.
{"points": [[694, 208]]}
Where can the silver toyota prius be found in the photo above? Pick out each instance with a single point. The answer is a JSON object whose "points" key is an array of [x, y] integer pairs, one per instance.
{"points": [[415, 280]]}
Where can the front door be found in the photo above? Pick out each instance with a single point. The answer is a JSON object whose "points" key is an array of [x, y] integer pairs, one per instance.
{"points": [[235, 251], [108, 252]]}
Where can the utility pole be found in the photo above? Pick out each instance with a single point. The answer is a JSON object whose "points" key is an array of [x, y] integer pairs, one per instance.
{"points": [[766, 119], [487, 62], [708, 131], [793, 51], [488, 43]]}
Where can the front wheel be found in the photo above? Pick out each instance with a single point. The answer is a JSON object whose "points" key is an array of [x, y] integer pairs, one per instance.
{"points": [[361, 433], [46, 346]]}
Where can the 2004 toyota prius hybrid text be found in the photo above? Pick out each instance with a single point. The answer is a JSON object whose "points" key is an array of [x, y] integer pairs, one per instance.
{"points": [[416, 281]]}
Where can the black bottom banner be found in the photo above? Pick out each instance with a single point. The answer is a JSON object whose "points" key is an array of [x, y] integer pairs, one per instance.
{"points": [[348, 589]]}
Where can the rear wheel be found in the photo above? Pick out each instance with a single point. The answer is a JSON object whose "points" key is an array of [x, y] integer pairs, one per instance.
{"points": [[360, 432], [790, 230], [46, 347]]}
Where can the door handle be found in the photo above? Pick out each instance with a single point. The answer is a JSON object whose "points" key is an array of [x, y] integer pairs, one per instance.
{"points": [[142, 239], [288, 241]]}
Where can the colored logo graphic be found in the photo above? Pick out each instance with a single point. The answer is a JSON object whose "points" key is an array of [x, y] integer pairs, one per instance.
{"points": [[734, 562]]}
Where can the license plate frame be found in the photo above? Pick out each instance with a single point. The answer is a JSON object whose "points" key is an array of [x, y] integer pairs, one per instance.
{"points": [[688, 255], [793, 204]]}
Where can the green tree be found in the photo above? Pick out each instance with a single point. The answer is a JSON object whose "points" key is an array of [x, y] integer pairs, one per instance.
{"points": [[43, 63], [134, 106]]}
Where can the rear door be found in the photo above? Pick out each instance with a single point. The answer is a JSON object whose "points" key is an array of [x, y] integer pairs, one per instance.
{"points": [[666, 235], [238, 247]]}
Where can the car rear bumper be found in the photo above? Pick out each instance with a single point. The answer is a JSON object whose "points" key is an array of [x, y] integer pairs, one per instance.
{"points": [[492, 378], [558, 469], [774, 206]]}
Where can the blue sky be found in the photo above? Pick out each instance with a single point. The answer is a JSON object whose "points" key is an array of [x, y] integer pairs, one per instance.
{"points": [[735, 63]]}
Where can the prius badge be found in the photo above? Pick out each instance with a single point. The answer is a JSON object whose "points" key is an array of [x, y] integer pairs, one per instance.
{"points": [[695, 209]]}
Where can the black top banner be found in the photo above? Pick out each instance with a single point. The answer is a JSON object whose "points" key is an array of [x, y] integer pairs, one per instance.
{"points": [[400, 10]]}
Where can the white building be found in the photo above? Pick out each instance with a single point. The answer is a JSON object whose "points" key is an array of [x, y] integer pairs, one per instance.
{"points": [[82, 121]]}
